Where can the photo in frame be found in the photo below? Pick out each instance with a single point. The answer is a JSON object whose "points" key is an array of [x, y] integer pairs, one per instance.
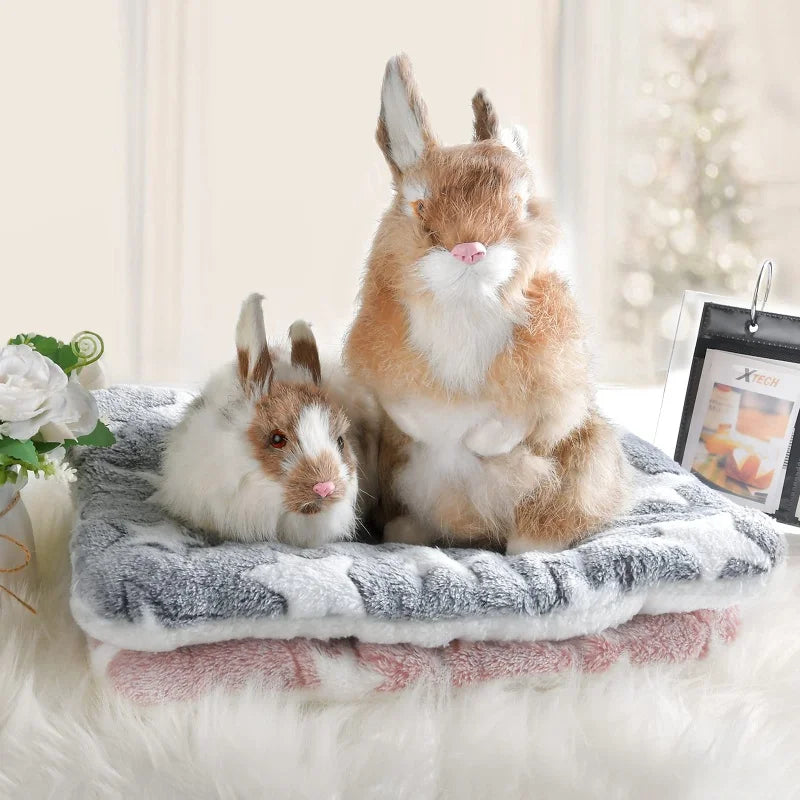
{"points": [[740, 431]]}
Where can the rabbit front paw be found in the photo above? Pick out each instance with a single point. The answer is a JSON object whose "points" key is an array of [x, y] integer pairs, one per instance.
{"points": [[494, 437]]}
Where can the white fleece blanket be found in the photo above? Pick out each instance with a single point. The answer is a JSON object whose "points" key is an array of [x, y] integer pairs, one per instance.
{"points": [[143, 581]]}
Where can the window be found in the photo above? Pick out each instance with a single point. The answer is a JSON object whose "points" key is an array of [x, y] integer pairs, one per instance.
{"points": [[677, 168]]}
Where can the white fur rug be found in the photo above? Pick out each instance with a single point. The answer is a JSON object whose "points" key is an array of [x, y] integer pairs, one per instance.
{"points": [[727, 726]]}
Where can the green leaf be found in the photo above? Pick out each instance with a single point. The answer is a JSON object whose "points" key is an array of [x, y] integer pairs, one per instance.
{"points": [[22, 451], [65, 357], [101, 436], [46, 447], [46, 345]]}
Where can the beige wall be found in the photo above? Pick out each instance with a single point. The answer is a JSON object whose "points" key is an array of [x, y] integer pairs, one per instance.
{"points": [[62, 171]]}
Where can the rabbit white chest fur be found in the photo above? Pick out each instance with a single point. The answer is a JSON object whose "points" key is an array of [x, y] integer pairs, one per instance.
{"points": [[476, 428], [463, 447], [459, 332], [464, 326]]}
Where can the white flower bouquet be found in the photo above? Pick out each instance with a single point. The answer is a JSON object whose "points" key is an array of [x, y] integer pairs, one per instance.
{"points": [[44, 407]]}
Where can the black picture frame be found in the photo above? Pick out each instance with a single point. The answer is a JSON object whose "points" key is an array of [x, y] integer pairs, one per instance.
{"points": [[776, 337]]}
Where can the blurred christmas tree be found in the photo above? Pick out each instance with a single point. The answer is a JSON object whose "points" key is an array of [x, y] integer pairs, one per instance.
{"points": [[690, 216]]}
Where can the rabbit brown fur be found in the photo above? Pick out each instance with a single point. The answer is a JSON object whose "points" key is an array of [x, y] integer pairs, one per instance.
{"points": [[490, 434]]}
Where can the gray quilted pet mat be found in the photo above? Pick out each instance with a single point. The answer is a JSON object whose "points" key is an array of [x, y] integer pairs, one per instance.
{"points": [[144, 581]]}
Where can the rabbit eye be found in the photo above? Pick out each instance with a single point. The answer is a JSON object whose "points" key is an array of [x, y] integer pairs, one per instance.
{"points": [[419, 207], [340, 444], [277, 439]]}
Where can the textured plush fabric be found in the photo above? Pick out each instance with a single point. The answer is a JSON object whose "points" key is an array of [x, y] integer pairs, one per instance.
{"points": [[349, 669], [144, 581]]}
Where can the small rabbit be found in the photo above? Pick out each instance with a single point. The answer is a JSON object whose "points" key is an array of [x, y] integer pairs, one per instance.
{"points": [[474, 347], [266, 452]]}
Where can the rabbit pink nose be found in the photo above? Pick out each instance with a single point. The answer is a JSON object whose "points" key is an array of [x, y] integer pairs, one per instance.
{"points": [[469, 252], [324, 489]]}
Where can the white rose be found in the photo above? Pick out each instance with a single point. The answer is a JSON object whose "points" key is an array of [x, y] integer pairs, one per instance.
{"points": [[75, 413], [35, 393], [29, 383]]}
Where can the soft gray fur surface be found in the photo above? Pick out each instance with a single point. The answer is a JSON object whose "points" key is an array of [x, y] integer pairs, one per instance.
{"points": [[145, 581]]}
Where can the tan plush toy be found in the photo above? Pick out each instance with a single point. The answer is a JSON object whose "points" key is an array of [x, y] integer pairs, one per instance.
{"points": [[474, 347]]}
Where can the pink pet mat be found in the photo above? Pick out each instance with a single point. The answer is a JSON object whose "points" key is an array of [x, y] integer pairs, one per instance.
{"points": [[347, 668]]}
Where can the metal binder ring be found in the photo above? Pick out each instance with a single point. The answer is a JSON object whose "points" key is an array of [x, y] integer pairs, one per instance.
{"points": [[765, 267]]}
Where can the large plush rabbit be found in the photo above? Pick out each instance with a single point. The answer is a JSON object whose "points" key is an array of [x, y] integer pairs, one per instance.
{"points": [[474, 347], [272, 449]]}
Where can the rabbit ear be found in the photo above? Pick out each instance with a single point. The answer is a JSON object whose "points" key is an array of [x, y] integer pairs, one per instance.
{"points": [[486, 124], [304, 349], [403, 132], [515, 138], [254, 361]]}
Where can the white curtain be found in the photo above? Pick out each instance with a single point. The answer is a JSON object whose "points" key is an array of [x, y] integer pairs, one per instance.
{"points": [[598, 55], [166, 197]]}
